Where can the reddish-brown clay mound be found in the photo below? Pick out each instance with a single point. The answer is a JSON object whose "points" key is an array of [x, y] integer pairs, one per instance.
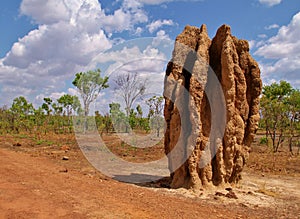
{"points": [[212, 90]]}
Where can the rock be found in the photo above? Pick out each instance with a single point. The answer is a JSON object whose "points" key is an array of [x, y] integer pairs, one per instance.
{"points": [[17, 144], [65, 148], [56, 152], [65, 158], [244, 205], [220, 194], [63, 170], [231, 194], [250, 193], [211, 92]]}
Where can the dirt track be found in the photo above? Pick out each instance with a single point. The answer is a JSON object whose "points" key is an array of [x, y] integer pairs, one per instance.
{"points": [[39, 187]]}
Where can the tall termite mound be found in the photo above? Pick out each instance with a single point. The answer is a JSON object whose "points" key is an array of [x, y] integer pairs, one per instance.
{"points": [[211, 92]]}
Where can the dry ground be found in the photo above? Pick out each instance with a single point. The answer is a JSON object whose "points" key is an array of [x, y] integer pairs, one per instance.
{"points": [[35, 182]]}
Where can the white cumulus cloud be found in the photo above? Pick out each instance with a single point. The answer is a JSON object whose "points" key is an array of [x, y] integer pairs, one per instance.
{"points": [[272, 26], [155, 25], [157, 2], [69, 35], [270, 3], [283, 50]]}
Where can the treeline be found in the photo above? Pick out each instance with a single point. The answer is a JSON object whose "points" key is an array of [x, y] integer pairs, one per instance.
{"points": [[56, 116], [51, 116], [280, 111]]}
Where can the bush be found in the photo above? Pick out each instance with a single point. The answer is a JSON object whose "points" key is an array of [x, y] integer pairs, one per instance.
{"points": [[263, 140]]}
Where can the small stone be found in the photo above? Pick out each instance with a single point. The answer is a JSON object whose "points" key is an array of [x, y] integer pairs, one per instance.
{"points": [[65, 148], [65, 158], [56, 152], [17, 144], [219, 194], [63, 170], [243, 205], [231, 194]]}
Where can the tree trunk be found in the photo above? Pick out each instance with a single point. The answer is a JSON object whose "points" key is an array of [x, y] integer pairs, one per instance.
{"points": [[291, 134], [211, 117], [85, 122], [291, 145]]}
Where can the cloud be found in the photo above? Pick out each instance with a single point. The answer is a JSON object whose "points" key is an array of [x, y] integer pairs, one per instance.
{"points": [[272, 26], [69, 35], [147, 57], [128, 57], [45, 12], [262, 36], [54, 43], [285, 44], [282, 53], [157, 2], [252, 44], [155, 25], [270, 3], [140, 3], [138, 31]]}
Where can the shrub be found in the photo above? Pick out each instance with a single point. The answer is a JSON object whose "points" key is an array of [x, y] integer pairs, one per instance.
{"points": [[263, 140]]}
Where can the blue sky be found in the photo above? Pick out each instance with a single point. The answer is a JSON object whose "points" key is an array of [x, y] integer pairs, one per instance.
{"points": [[43, 43]]}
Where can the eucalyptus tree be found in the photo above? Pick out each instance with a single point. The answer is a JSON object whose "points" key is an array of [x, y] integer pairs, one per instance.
{"points": [[156, 105], [275, 109], [89, 85], [130, 87]]}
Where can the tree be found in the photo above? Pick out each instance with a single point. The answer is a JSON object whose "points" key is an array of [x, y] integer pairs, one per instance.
{"points": [[6, 120], [89, 84], [21, 110], [47, 105], [141, 123], [39, 121], [118, 117], [156, 106], [293, 103], [57, 109], [277, 91], [275, 111], [130, 88], [21, 106], [70, 104], [139, 111]]}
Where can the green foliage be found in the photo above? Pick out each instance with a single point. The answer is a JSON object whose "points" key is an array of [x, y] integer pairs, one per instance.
{"points": [[293, 103], [21, 111], [6, 120], [139, 111], [90, 84], [119, 119], [41, 141], [280, 113], [156, 106], [121, 123], [47, 105], [277, 91], [21, 107], [104, 123], [263, 140]]}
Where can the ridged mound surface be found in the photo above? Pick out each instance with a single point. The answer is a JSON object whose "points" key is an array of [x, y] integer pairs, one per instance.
{"points": [[212, 90]]}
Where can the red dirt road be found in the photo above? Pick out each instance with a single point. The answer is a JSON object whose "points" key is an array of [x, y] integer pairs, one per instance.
{"points": [[37, 187]]}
